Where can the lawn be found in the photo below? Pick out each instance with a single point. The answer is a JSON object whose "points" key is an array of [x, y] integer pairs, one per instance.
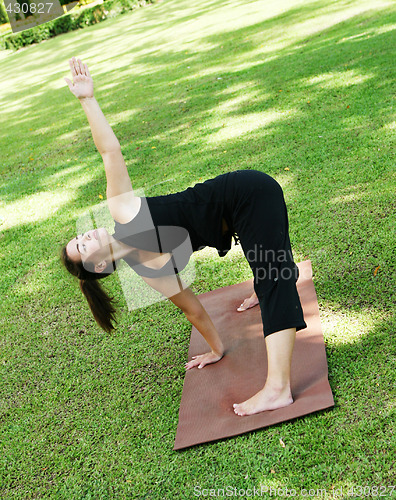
{"points": [[302, 90]]}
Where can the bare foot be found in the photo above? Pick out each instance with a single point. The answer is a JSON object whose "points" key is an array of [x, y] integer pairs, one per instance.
{"points": [[248, 303], [266, 399]]}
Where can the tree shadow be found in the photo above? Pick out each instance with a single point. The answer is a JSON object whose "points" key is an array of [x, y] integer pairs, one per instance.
{"points": [[269, 111], [344, 72]]}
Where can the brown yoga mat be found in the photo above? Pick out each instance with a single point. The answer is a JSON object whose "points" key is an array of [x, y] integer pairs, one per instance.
{"points": [[206, 412]]}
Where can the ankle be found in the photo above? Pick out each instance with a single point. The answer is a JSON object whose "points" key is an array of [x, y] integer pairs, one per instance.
{"points": [[278, 385]]}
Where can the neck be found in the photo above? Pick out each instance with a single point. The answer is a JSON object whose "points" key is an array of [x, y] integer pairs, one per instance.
{"points": [[118, 250]]}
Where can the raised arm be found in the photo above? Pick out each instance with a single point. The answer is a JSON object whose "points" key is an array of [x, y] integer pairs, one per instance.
{"points": [[119, 188]]}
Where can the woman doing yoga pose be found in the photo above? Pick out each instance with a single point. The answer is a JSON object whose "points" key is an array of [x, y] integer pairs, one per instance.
{"points": [[150, 235]]}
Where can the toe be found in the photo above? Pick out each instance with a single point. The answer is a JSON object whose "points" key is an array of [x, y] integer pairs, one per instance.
{"points": [[238, 409], [243, 306]]}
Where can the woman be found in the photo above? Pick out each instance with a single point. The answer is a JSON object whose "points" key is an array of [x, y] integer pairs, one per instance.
{"points": [[247, 203]]}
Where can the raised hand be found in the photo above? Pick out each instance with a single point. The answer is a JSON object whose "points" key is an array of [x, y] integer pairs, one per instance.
{"points": [[82, 84]]}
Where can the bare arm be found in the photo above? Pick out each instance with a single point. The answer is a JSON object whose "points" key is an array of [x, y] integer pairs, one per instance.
{"points": [[196, 314], [103, 135], [118, 181], [187, 301]]}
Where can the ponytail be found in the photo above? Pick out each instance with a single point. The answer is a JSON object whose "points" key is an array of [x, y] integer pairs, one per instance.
{"points": [[99, 303], [98, 300]]}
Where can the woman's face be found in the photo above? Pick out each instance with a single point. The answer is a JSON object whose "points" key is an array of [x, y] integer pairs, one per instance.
{"points": [[92, 246]]}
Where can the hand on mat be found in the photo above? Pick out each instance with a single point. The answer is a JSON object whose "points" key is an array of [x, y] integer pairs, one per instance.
{"points": [[203, 360], [82, 85]]}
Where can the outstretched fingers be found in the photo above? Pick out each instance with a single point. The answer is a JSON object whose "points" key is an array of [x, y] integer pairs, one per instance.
{"points": [[87, 71], [72, 67], [81, 67], [77, 67]]}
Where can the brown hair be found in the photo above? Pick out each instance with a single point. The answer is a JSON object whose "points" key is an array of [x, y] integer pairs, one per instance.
{"points": [[99, 301]]}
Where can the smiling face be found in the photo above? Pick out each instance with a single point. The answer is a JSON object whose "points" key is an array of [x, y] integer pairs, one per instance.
{"points": [[92, 246]]}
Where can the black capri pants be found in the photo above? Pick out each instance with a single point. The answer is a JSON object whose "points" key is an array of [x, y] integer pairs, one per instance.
{"points": [[257, 213]]}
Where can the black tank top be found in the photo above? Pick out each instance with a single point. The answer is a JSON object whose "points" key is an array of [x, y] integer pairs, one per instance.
{"points": [[179, 223]]}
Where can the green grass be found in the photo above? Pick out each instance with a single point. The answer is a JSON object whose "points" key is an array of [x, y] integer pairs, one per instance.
{"points": [[300, 90]]}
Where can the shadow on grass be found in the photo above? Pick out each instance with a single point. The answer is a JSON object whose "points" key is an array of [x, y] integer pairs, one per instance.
{"points": [[343, 107], [129, 395], [321, 104]]}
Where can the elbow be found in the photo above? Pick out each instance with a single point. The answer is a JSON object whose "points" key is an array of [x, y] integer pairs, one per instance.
{"points": [[195, 314], [110, 149]]}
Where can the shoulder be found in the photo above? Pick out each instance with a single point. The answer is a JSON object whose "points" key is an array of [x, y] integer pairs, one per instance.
{"points": [[124, 208]]}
